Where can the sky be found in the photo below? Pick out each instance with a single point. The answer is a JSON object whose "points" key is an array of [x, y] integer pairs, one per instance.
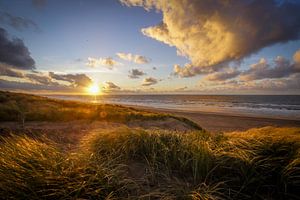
{"points": [[150, 46]]}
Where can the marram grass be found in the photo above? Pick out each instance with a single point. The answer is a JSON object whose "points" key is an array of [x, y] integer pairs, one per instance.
{"points": [[128, 163], [31, 169], [24, 108]]}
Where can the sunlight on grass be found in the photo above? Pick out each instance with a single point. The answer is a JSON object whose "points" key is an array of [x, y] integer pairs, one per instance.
{"points": [[24, 107], [124, 163]]}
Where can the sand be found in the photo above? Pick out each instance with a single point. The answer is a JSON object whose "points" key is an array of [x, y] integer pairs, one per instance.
{"points": [[215, 122]]}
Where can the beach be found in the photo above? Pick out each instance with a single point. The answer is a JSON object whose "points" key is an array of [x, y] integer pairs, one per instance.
{"points": [[215, 122], [215, 113]]}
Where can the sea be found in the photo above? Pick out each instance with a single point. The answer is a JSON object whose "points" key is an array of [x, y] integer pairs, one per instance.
{"points": [[271, 106]]}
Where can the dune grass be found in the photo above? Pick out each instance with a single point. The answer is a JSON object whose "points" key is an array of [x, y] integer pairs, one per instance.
{"points": [[127, 163], [24, 107], [141, 164], [35, 169]]}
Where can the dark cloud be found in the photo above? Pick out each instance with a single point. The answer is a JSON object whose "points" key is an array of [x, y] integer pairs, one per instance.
{"points": [[6, 71], [14, 52], [136, 73], [214, 32], [40, 79], [77, 80], [110, 86], [149, 81], [18, 23], [263, 70], [16, 85], [39, 3]]}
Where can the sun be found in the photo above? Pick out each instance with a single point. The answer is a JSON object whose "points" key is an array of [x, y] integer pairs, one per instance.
{"points": [[94, 89]]}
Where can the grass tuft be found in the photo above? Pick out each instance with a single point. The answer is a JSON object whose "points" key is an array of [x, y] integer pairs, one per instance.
{"points": [[32, 169]]}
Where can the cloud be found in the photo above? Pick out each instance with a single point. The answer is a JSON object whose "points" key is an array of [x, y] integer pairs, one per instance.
{"points": [[149, 81], [14, 52], [189, 70], [39, 3], [287, 84], [110, 86], [215, 32], [16, 22], [40, 79], [296, 57], [48, 82], [138, 59], [263, 70], [186, 71], [6, 71], [136, 73], [29, 86], [107, 62], [181, 89], [77, 80], [227, 73]]}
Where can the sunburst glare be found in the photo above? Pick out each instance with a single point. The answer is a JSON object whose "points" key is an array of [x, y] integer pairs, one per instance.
{"points": [[94, 89]]}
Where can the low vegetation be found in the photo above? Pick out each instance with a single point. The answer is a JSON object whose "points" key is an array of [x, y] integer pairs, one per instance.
{"points": [[134, 163], [24, 107], [138, 164]]}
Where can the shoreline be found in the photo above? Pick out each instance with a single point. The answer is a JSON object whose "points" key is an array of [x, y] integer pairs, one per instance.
{"points": [[264, 112], [225, 122]]}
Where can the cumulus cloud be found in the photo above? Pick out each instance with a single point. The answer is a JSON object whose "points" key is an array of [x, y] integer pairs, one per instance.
{"points": [[149, 81], [14, 52], [289, 85], [19, 23], [136, 73], [296, 58], [76, 80], [213, 32], [138, 59], [227, 73], [186, 71], [106, 62], [6, 71], [110, 86], [263, 70], [189, 70]]}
